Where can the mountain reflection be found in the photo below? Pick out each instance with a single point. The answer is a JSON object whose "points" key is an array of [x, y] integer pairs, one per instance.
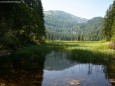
{"points": [[57, 69], [57, 61], [91, 71], [64, 60]]}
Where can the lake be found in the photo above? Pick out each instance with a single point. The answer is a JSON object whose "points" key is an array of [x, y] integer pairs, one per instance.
{"points": [[56, 68]]}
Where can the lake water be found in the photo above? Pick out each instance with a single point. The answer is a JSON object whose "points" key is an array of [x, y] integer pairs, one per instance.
{"points": [[55, 69]]}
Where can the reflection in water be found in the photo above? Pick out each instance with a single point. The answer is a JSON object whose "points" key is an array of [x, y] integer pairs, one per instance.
{"points": [[56, 69], [21, 71], [57, 61], [60, 69], [111, 72]]}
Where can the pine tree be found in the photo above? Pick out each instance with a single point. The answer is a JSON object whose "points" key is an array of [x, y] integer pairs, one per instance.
{"points": [[108, 23]]}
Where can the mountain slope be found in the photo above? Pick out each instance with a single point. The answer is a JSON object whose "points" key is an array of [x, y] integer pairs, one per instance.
{"points": [[93, 28], [63, 16], [59, 21], [64, 26]]}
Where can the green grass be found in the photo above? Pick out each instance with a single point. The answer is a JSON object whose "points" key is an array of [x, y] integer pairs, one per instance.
{"points": [[92, 46], [82, 45], [95, 48], [86, 56], [34, 50]]}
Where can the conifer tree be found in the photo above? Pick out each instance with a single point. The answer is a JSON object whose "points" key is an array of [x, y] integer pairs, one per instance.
{"points": [[21, 23], [108, 24]]}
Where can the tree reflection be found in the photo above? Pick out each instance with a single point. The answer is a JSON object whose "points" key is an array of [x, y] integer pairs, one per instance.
{"points": [[85, 56], [23, 71], [111, 72]]}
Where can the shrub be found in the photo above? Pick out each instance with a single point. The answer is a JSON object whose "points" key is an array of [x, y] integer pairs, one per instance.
{"points": [[112, 45]]}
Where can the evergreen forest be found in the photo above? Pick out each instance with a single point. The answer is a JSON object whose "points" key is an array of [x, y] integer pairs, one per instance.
{"points": [[21, 24]]}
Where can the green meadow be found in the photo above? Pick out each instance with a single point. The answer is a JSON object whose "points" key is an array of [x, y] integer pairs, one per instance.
{"points": [[88, 48]]}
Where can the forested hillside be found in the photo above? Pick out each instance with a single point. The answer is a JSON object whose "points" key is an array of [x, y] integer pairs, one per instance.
{"points": [[64, 26], [109, 24], [21, 24]]}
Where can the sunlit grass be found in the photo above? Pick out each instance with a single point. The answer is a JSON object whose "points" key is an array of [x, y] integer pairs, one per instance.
{"points": [[93, 46], [96, 47], [86, 45]]}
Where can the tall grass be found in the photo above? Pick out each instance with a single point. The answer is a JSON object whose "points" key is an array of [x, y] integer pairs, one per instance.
{"points": [[92, 46], [86, 56], [33, 50], [96, 47]]}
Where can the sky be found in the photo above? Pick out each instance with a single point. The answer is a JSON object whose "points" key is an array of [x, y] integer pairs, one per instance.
{"points": [[81, 8]]}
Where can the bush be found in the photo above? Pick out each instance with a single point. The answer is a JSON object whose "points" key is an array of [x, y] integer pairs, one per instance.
{"points": [[112, 45], [10, 41]]}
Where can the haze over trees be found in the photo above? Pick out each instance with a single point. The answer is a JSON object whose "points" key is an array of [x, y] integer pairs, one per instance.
{"points": [[21, 24], [64, 26]]}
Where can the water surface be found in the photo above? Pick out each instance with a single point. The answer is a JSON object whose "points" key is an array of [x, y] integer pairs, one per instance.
{"points": [[56, 69], [60, 70]]}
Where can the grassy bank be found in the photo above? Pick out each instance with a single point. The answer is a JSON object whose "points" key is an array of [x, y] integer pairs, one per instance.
{"points": [[92, 46], [96, 48]]}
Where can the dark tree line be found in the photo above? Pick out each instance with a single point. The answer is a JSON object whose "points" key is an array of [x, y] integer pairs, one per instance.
{"points": [[109, 24], [21, 24]]}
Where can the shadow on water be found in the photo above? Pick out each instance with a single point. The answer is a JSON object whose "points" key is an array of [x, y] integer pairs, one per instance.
{"points": [[22, 71]]}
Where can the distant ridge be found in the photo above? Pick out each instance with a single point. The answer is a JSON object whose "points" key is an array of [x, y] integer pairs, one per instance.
{"points": [[64, 16]]}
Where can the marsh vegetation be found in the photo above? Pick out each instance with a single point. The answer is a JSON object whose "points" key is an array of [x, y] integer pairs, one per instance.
{"points": [[58, 63]]}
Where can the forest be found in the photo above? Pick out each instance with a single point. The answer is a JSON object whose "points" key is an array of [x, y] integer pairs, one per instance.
{"points": [[21, 24]]}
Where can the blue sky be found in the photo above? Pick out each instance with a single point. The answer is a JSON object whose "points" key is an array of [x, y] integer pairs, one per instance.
{"points": [[81, 8]]}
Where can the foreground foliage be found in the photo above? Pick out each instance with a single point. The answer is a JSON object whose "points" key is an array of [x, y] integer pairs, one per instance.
{"points": [[21, 24]]}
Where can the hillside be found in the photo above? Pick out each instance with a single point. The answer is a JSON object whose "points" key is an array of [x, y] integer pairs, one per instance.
{"points": [[64, 26], [63, 16], [93, 28], [57, 21]]}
